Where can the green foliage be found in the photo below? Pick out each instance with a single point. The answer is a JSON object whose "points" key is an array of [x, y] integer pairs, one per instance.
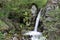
{"points": [[3, 25], [51, 25], [55, 18], [21, 9], [55, 14], [19, 6], [1, 36]]}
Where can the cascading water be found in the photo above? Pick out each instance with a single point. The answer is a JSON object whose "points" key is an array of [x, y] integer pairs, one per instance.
{"points": [[35, 34], [35, 37], [37, 20]]}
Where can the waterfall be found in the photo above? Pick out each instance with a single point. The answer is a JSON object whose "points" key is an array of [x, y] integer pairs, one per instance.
{"points": [[35, 34], [37, 20]]}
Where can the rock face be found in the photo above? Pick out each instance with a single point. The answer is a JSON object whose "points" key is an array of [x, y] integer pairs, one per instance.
{"points": [[54, 1], [52, 4], [34, 9], [52, 13]]}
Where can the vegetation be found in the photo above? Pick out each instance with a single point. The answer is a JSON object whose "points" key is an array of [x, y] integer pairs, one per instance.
{"points": [[16, 18]]}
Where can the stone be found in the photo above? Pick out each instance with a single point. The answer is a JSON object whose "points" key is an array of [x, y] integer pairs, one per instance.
{"points": [[15, 38], [33, 10]]}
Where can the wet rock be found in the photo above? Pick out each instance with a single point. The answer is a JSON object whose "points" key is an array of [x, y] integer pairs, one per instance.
{"points": [[15, 38]]}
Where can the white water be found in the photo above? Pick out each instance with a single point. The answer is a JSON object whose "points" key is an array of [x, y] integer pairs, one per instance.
{"points": [[37, 20], [36, 26], [35, 34]]}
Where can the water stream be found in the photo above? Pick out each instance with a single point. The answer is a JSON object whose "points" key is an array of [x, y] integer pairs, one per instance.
{"points": [[35, 34], [37, 20]]}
